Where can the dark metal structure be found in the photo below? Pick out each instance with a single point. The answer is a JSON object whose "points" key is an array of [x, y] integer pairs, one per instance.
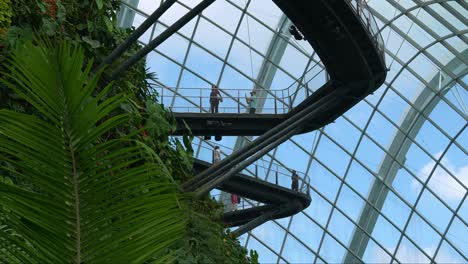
{"points": [[353, 55], [354, 58], [278, 201]]}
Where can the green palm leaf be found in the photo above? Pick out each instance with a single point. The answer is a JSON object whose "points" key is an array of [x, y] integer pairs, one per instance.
{"points": [[77, 198]]}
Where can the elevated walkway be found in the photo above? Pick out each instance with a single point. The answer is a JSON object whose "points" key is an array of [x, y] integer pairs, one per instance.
{"points": [[272, 194], [346, 38], [268, 193]]}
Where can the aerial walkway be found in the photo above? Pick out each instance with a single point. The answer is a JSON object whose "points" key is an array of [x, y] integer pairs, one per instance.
{"points": [[346, 38], [276, 197]]}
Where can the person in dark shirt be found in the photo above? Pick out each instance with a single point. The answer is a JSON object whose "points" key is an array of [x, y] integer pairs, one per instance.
{"points": [[215, 98], [295, 181]]}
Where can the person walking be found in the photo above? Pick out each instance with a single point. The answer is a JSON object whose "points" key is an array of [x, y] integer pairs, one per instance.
{"points": [[295, 181], [216, 154], [252, 101], [215, 98]]}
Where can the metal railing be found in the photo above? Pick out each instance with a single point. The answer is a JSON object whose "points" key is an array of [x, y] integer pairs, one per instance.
{"points": [[273, 173], [362, 10], [197, 100], [268, 101], [233, 100]]}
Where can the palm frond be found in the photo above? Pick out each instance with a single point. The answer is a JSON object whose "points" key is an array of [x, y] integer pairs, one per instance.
{"points": [[85, 201]]}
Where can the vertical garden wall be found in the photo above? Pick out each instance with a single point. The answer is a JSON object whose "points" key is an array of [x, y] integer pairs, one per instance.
{"points": [[88, 170]]}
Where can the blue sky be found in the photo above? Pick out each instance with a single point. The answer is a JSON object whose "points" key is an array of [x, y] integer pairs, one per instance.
{"points": [[343, 154]]}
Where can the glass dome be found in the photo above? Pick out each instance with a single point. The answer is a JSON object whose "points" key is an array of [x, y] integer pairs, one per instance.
{"points": [[389, 178]]}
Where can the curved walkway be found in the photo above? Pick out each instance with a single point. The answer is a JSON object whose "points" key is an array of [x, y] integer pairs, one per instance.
{"points": [[278, 201], [349, 46], [345, 36]]}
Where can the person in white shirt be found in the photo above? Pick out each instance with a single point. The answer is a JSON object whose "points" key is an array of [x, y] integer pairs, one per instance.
{"points": [[216, 154], [252, 101]]}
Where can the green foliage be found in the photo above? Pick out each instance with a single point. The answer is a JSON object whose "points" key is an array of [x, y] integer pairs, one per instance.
{"points": [[206, 240], [254, 256], [89, 23], [89, 199], [156, 124], [92, 24], [6, 12]]}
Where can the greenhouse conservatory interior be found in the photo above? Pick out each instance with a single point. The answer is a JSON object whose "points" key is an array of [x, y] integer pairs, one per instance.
{"points": [[233, 131]]}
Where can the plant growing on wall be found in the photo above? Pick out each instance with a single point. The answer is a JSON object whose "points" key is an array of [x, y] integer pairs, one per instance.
{"points": [[91, 24], [6, 12], [78, 197]]}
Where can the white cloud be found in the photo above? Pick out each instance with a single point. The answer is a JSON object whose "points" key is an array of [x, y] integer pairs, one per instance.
{"points": [[411, 254], [444, 185], [404, 255], [445, 257]]}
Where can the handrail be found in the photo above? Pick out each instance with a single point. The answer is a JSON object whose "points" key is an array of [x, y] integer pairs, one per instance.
{"points": [[362, 10], [280, 102], [279, 177]]}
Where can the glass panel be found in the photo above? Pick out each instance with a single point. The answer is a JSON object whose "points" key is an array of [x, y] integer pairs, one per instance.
{"points": [[360, 179], [319, 210], [407, 186], [434, 211], [375, 254], [341, 227], [447, 254], [386, 233], [457, 235], [326, 183], [204, 64], [212, 38], [332, 251], [306, 230], [372, 162], [332, 156], [408, 253], [224, 14], [270, 234], [396, 210], [166, 70], [350, 203], [344, 133], [423, 235], [295, 252]]}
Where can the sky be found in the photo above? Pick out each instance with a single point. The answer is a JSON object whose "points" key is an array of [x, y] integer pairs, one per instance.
{"points": [[344, 158]]}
